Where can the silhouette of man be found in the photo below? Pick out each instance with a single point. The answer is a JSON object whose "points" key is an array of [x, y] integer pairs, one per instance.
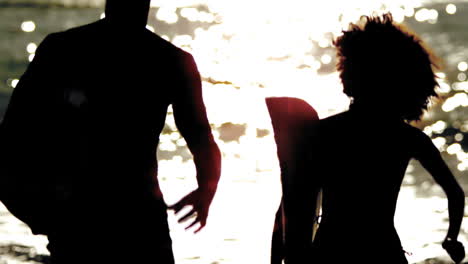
{"points": [[82, 130]]}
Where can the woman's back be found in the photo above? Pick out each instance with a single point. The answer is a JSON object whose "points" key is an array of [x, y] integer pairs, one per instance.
{"points": [[362, 161]]}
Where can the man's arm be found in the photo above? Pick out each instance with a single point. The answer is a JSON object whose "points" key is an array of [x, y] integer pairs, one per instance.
{"points": [[31, 92], [192, 122], [20, 138]]}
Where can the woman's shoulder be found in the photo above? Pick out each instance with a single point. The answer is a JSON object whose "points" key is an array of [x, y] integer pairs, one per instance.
{"points": [[416, 141], [413, 132], [335, 118], [334, 121]]}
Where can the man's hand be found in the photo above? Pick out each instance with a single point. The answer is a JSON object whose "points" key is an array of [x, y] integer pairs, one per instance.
{"points": [[455, 249], [200, 201]]}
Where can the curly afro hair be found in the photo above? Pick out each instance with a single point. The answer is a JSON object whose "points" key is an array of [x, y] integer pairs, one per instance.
{"points": [[385, 66]]}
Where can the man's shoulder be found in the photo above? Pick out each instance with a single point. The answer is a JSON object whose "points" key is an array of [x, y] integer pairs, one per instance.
{"points": [[98, 27], [73, 33], [163, 44], [91, 28]]}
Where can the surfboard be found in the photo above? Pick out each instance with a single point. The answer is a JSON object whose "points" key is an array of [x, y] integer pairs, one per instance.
{"points": [[291, 118]]}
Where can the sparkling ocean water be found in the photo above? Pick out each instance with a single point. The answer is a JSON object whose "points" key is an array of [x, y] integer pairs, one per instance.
{"points": [[246, 51]]}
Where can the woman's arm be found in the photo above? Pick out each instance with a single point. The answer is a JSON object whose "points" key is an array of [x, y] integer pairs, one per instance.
{"points": [[431, 160]]}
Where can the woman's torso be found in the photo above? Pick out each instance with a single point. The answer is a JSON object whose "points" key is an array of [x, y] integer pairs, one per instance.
{"points": [[362, 164]]}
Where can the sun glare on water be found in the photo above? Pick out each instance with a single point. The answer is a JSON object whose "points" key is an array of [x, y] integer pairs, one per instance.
{"points": [[263, 48], [246, 51]]}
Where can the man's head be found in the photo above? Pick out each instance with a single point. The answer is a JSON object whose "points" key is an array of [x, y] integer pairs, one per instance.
{"points": [[128, 13]]}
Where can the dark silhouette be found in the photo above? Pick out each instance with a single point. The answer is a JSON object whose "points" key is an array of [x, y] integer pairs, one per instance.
{"points": [[360, 156], [80, 135], [291, 119]]}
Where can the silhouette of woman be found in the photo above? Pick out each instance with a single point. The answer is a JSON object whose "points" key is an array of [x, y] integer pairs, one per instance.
{"points": [[360, 156]]}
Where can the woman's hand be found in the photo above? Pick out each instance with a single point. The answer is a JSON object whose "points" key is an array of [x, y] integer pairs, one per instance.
{"points": [[455, 249]]}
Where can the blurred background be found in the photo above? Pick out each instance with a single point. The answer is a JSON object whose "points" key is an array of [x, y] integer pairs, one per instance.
{"points": [[248, 50]]}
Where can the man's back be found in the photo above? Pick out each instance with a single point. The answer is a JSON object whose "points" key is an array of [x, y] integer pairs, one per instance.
{"points": [[116, 88], [90, 109]]}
